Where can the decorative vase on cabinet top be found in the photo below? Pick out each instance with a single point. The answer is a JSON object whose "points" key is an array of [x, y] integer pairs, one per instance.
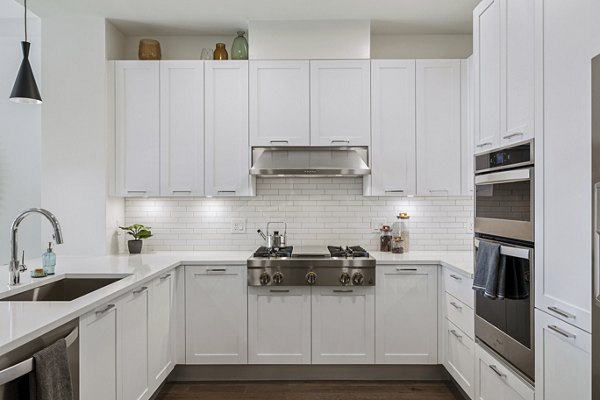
{"points": [[149, 49], [239, 48], [220, 52]]}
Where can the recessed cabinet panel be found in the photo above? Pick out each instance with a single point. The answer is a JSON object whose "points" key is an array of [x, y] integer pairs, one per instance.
{"points": [[137, 115], [182, 128], [438, 128], [340, 93], [393, 128], [279, 103]]}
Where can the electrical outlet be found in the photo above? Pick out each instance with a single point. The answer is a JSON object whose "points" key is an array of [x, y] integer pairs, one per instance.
{"points": [[377, 223], [238, 225]]}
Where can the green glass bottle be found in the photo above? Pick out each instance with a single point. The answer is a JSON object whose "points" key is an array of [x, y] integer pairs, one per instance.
{"points": [[239, 48]]}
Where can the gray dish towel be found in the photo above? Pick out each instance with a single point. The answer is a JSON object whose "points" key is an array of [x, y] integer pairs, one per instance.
{"points": [[490, 270], [52, 373]]}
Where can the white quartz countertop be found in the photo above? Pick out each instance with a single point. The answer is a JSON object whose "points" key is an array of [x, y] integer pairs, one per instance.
{"points": [[23, 321]]}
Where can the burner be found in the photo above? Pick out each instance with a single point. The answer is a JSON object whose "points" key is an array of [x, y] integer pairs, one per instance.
{"points": [[274, 252], [352, 251]]}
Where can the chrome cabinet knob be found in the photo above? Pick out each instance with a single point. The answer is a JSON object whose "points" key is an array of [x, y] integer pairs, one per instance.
{"points": [[358, 278], [277, 278], [311, 278], [264, 278], [345, 278]]}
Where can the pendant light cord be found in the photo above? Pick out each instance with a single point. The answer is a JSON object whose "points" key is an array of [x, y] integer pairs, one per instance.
{"points": [[25, 17]]}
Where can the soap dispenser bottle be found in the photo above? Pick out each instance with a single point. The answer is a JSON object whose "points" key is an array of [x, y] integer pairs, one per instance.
{"points": [[49, 260]]}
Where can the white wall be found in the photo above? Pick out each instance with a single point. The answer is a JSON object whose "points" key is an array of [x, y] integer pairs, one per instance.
{"points": [[421, 46], [74, 134], [20, 131]]}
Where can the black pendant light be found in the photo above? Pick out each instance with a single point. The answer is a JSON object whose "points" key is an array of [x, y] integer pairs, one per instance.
{"points": [[25, 89]]}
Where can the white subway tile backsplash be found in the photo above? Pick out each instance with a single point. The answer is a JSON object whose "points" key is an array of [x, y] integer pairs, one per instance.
{"points": [[318, 211]]}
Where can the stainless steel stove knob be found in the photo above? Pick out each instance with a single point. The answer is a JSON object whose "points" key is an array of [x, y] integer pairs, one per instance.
{"points": [[345, 278], [277, 278], [264, 278], [311, 278], [358, 278]]}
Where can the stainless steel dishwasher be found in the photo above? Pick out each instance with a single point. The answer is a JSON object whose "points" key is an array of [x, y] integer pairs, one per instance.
{"points": [[16, 365]]}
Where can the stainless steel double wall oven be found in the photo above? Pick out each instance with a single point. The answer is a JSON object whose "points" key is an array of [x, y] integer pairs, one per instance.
{"points": [[504, 214]]}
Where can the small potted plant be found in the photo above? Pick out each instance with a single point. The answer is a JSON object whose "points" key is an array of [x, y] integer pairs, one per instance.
{"points": [[139, 232]]}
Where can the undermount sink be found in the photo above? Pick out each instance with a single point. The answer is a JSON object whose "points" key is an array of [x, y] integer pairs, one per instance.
{"points": [[65, 289]]}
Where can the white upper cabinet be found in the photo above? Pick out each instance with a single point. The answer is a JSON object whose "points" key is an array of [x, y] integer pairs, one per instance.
{"points": [[517, 70], [466, 126], [406, 318], [279, 325], [343, 325], [486, 53], [563, 360], [438, 127], [226, 129], [181, 128], [137, 124], [340, 103], [279, 103], [393, 161], [563, 165]]}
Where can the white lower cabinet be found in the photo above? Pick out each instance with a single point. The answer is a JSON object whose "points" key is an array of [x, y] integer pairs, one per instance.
{"points": [[216, 314], [98, 354], [343, 325], [406, 319], [160, 329], [132, 346], [563, 360], [459, 356], [495, 381], [279, 325]]}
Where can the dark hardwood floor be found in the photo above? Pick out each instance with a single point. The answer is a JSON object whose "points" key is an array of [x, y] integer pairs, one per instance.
{"points": [[310, 390]]}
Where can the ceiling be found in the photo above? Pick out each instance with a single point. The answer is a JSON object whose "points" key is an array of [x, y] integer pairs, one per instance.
{"points": [[197, 17]]}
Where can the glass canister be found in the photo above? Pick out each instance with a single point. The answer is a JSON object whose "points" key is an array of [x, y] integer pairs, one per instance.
{"points": [[404, 231], [397, 245], [385, 240], [239, 48]]}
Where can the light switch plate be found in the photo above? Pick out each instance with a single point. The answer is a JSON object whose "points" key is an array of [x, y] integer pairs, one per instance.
{"points": [[238, 225]]}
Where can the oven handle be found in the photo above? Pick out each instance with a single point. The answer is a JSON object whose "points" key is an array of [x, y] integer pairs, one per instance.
{"points": [[517, 175], [518, 252]]}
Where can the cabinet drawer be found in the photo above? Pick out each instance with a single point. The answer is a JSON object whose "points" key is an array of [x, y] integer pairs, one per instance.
{"points": [[460, 357], [459, 286], [494, 378], [460, 314]]}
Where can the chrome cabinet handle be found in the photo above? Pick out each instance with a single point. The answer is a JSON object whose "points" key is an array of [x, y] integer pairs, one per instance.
{"points": [[395, 191], [226, 191], [562, 332], [162, 278], [484, 144], [512, 135], [452, 331], [497, 371], [181, 191], [342, 291], [340, 141], [562, 312], [453, 304], [137, 191], [278, 141], [216, 269], [279, 290], [438, 190], [105, 309], [456, 277], [140, 290], [406, 269]]}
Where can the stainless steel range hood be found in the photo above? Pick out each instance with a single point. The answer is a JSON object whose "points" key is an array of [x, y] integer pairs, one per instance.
{"points": [[310, 161]]}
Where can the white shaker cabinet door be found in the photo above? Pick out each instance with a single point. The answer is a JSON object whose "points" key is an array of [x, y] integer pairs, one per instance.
{"points": [[182, 128], [393, 161], [227, 149], [132, 367], [137, 124], [160, 329], [279, 325], [216, 314], [496, 381], [98, 354], [343, 325], [406, 320], [279, 103], [563, 362], [438, 128], [340, 94], [466, 127], [517, 70], [486, 63]]}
